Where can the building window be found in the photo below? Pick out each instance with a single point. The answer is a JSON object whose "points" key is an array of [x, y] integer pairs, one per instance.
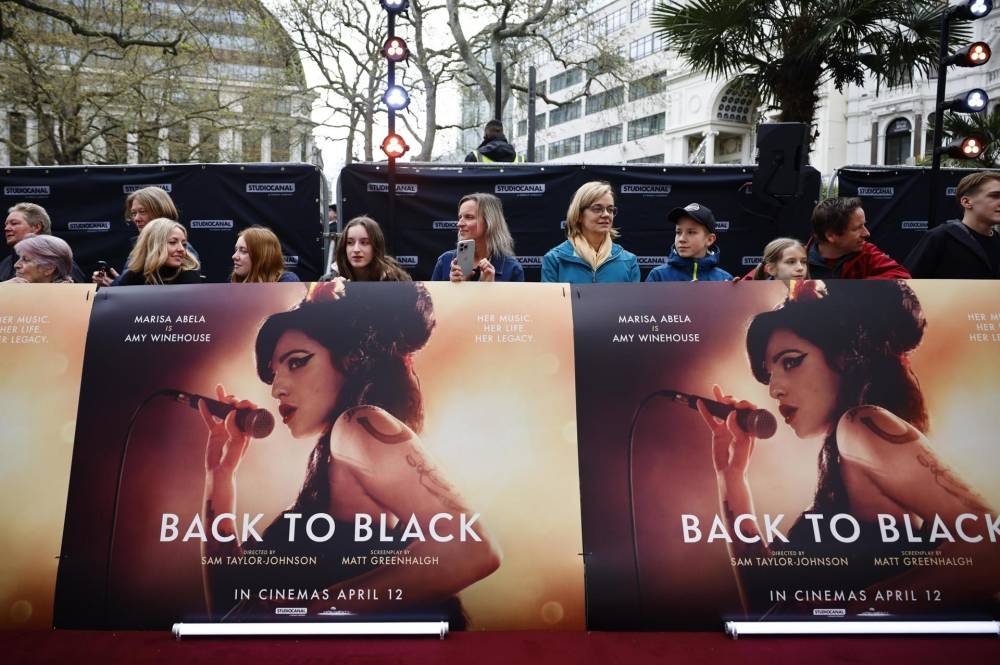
{"points": [[564, 113], [640, 9], [645, 46], [649, 159], [898, 137], [281, 146], [570, 146], [208, 144], [648, 126], [565, 80], [179, 143], [604, 25], [737, 103], [606, 100], [251, 144], [648, 85], [522, 127], [602, 138], [540, 121]]}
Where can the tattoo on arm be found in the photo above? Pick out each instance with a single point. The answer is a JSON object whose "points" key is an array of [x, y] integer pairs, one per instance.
{"points": [[952, 485], [429, 478], [383, 437], [909, 434]]}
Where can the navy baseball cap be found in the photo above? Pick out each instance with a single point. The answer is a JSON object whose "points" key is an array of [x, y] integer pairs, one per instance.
{"points": [[695, 211]]}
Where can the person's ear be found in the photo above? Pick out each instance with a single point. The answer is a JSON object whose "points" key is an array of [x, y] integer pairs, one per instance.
{"points": [[711, 239], [965, 202], [770, 269]]}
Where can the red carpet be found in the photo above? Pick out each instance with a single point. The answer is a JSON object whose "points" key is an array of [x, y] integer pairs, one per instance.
{"points": [[489, 648]]}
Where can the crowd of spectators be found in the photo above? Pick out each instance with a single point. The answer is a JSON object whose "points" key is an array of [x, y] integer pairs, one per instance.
{"points": [[838, 247]]}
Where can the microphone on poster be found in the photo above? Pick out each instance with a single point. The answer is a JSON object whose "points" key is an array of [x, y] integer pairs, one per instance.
{"points": [[258, 423], [758, 422]]}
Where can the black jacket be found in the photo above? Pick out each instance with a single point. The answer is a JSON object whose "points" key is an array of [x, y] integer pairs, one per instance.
{"points": [[497, 150], [949, 251]]}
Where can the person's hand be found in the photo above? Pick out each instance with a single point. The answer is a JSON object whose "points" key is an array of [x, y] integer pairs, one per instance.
{"points": [[456, 274], [103, 278], [487, 273], [227, 444], [731, 446]]}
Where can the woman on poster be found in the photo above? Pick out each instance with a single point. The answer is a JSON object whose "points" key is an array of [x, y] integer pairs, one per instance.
{"points": [[838, 368], [340, 367]]}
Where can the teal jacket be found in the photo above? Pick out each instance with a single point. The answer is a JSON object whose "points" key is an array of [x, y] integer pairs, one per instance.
{"points": [[561, 264]]}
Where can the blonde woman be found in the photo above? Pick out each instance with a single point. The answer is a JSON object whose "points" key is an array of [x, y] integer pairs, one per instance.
{"points": [[160, 256], [480, 218], [589, 254]]}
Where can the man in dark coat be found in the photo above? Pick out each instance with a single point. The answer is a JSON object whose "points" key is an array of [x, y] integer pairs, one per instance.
{"points": [[495, 147], [966, 249]]}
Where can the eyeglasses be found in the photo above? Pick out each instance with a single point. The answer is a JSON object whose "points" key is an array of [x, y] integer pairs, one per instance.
{"points": [[598, 209]]}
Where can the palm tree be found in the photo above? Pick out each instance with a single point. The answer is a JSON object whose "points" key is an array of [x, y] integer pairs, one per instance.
{"points": [[787, 49], [984, 125]]}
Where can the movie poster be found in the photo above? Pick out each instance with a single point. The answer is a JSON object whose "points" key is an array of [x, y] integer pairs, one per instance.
{"points": [[42, 332], [870, 491], [455, 497]]}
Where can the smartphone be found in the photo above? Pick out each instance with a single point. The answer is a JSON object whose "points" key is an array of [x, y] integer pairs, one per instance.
{"points": [[465, 253], [102, 266]]}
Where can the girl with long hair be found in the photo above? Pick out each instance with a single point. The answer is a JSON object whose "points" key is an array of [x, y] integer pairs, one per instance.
{"points": [[160, 256], [258, 258], [361, 257]]}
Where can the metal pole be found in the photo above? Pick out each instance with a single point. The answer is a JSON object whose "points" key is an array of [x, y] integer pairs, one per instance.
{"points": [[938, 121], [531, 114], [497, 96], [391, 179]]}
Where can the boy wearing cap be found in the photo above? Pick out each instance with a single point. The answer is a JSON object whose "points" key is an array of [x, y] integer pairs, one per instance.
{"points": [[694, 256]]}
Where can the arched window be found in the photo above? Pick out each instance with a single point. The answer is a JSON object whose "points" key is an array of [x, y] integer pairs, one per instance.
{"points": [[898, 141], [737, 103]]}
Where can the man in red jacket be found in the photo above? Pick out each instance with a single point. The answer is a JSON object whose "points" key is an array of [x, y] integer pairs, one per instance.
{"points": [[839, 245]]}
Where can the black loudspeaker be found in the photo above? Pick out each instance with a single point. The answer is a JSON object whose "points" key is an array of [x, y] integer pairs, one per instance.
{"points": [[781, 158]]}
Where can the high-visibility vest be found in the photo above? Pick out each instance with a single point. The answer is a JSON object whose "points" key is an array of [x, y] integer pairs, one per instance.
{"points": [[518, 158]]}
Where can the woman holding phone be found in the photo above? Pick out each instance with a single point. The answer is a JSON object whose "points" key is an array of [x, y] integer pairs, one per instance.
{"points": [[484, 238]]}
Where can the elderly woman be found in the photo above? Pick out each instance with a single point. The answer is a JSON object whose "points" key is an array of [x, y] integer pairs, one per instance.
{"points": [[43, 260], [589, 254], [160, 256]]}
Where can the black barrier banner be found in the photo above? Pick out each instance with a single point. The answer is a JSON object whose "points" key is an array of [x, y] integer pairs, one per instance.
{"points": [[862, 494], [421, 224], [458, 499], [897, 202], [42, 332], [215, 202]]}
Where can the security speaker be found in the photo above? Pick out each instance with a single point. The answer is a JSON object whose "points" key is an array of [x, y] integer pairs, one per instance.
{"points": [[781, 158]]}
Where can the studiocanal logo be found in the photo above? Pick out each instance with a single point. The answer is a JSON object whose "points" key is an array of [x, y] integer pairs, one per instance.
{"points": [[647, 261], [89, 227], [291, 260], [212, 224], [530, 261], [26, 191], [721, 225], [646, 190], [407, 260], [281, 188], [752, 260], [444, 225], [913, 225], [877, 192], [522, 189], [950, 191], [401, 187], [165, 186]]}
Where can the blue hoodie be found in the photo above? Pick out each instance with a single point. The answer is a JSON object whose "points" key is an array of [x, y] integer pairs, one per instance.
{"points": [[679, 269]]}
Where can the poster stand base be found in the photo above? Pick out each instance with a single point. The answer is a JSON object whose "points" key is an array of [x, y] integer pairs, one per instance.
{"points": [[735, 629], [318, 629]]}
